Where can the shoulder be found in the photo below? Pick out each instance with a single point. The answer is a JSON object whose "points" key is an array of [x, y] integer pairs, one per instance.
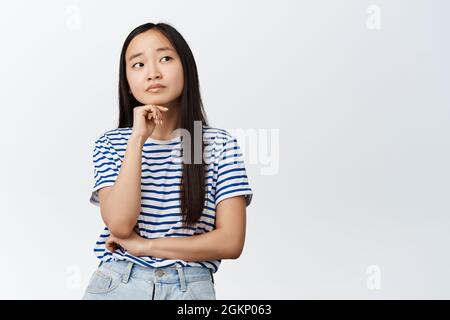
{"points": [[216, 136], [112, 135], [111, 138]]}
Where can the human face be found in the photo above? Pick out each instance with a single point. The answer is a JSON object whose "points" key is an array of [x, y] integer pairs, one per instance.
{"points": [[151, 59]]}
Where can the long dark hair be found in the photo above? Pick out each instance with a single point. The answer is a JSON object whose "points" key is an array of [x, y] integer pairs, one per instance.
{"points": [[192, 189]]}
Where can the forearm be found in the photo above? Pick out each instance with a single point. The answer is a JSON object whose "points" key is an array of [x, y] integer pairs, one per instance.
{"points": [[211, 245], [122, 205]]}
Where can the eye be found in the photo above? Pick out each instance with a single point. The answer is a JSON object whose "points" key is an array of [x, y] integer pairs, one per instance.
{"points": [[166, 57], [136, 64]]}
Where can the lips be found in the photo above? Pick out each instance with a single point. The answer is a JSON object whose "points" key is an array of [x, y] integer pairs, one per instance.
{"points": [[155, 86]]}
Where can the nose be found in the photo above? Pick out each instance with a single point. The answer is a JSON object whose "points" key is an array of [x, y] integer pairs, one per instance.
{"points": [[154, 76], [153, 73]]}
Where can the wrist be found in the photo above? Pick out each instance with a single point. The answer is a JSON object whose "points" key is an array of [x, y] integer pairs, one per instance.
{"points": [[137, 139], [146, 247]]}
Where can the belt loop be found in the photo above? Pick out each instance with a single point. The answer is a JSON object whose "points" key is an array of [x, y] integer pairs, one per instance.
{"points": [[127, 273], [182, 277], [212, 275]]}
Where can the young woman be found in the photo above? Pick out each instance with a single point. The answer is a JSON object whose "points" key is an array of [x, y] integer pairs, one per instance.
{"points": [[172, 190]]}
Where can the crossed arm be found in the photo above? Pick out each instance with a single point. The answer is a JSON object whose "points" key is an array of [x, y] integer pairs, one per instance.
{"points": [[224, 242], [120, 207]]}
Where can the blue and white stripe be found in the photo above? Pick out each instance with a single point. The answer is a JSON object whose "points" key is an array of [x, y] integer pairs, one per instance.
{"points": [[160, 181]]}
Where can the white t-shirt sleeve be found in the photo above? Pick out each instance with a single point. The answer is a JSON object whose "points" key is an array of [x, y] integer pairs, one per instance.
{"points": [[106, 163], [232, 177]]}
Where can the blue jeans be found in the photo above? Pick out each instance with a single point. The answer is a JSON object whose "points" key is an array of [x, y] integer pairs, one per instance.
{"points": [[125, 280]]}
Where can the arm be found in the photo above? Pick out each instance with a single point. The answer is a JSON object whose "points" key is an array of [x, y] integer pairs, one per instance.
{"points": [[120, 204], [225, 242]]}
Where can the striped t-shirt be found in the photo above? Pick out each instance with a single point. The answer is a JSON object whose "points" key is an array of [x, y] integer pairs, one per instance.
{"points": [[162, 165]]}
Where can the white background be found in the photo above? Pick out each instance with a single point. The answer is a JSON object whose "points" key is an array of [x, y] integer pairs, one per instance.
{"points": [[358, 207]]}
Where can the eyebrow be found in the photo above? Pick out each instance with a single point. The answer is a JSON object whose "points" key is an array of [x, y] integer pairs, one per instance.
{"points": [[157, 50]]}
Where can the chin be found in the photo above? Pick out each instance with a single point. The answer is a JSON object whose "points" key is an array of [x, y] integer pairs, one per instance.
{"points": [[155, 100]]}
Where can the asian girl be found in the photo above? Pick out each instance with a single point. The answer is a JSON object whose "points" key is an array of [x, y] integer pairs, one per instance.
{"points": [[168, 223]]}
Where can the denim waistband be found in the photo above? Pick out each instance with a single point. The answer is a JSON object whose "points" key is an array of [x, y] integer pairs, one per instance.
{"points": [[170, 274]]}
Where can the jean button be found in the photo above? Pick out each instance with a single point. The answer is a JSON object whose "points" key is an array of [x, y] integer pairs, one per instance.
{"points": [[159, 273]]}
